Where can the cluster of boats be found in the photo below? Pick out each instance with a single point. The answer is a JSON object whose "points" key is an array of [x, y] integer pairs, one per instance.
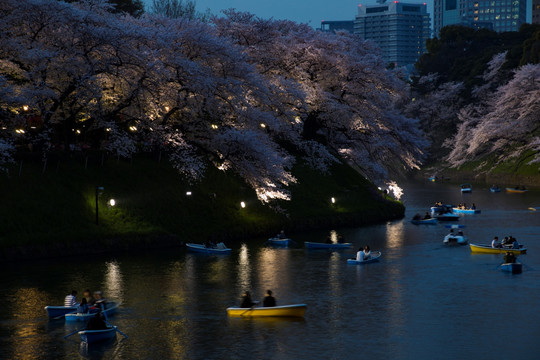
{"points": [[88, 336]]}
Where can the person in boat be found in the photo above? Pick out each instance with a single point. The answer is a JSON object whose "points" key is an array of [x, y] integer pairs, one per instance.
{"points": [[509, 257], [246, 300], [71, 299], [90, 301], [451, 233], [473, 206], [269, 300], [427, 216], [505, 241], [83, 307], [515, 244], [209, 244], [328, 239], [281, 235], [417, 217], [367, 252], [340, 239], [460, 233], [101, 302], [96, 322], [495, 243], [360, 255]]}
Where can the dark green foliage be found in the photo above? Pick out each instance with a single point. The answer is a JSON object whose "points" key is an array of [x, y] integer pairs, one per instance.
{"points": [[57, 206], [462, 53]]}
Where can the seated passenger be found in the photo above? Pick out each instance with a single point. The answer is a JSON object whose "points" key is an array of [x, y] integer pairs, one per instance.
{"points": [[515, 245], [96, 322], [83, 307], [495, 243], [281, 235], [367, 253], [360, 255], [269, 300], [89, 298], [340, 239], [246, 300], [427, 216], [71, 299], [100, 300], [509, 257]]}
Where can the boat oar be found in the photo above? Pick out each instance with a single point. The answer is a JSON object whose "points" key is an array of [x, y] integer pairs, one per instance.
{"points": [[108, 323], [76, 331], [61, 316]]}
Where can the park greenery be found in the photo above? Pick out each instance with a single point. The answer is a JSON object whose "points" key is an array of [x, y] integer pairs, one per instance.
{"points": [[476, 98]]}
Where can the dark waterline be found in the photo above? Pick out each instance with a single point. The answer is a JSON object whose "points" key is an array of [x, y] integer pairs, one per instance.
{"points": [[423, 300]]}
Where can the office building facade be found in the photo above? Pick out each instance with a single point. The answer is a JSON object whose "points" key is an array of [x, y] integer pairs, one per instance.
{"points": [[332, 26], [399, 29], [497, 15], [536, 11]]}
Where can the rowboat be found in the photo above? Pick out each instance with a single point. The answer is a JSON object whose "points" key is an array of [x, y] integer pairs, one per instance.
{"points": [[201, 248], [375, 255], [514, 268], [451, 239], [495, 189], [110, 309], [431, 221], [444, 213], [432, 178], [295, 310], [516, 190], [466, 188], [279, 242], [93, 336], [487, 249], [317, 245], [466, 211], [58, 311]]}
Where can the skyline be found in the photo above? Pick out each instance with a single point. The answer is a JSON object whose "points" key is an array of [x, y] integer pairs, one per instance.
{"points": [[303, 11]]}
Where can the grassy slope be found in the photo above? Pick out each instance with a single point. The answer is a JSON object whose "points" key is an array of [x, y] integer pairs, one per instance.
{"points": [[56, 209]]}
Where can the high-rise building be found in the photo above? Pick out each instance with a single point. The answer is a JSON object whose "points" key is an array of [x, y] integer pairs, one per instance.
{"points": [[400, 30], [331, 26], [498, 15], [536, 11]]}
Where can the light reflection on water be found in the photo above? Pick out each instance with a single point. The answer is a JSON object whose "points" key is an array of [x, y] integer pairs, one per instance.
{"points": [[422, 300]]}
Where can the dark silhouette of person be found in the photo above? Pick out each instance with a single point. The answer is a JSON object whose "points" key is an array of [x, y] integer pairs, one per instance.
{"points": [[269, 300]]}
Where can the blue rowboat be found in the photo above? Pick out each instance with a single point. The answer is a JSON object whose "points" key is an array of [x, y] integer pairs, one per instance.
{"points": [[279, 242], [59, 311], [466, 211], [495, 189], [201, 248], [317, 245], [431, 221], [93, 336], [110, 309], [375, 255], [514, 268], [466, 188]]}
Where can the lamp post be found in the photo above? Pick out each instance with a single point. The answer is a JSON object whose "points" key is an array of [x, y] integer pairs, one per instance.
{"points": [[99, 190]]}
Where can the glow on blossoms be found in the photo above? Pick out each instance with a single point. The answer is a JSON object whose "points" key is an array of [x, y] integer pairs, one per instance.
{"points": [[199, 92]]}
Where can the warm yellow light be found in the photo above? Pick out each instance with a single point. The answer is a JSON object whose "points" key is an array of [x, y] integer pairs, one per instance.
{"points": [[242, 204], [133, 128], [112, 202], [333, 200], [188, 193], [167, 108], [108, 129], [19, 131], [78, 131], [25, 107], [263, 125], [214, 126]]}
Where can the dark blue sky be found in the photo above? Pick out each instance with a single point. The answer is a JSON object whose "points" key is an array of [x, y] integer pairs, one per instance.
{"points": [[305, 11]]}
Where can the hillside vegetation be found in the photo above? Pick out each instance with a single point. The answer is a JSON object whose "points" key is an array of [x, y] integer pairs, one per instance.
{"points": [[53, 212]]}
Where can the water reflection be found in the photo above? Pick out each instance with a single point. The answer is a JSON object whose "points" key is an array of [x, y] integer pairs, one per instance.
{"points": [[272, 271], [113, 281], [395, 234], [27, 306], [244, 269]]}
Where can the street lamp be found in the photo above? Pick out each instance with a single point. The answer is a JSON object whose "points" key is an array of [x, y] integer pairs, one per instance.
{"points": [[333, 200], [99, 190], [242, 204], [112, 202]]}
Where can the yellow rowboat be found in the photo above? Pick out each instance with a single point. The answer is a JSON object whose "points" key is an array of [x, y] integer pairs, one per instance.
{"points": [[516, 190], [296, 310], [487, 249]]}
